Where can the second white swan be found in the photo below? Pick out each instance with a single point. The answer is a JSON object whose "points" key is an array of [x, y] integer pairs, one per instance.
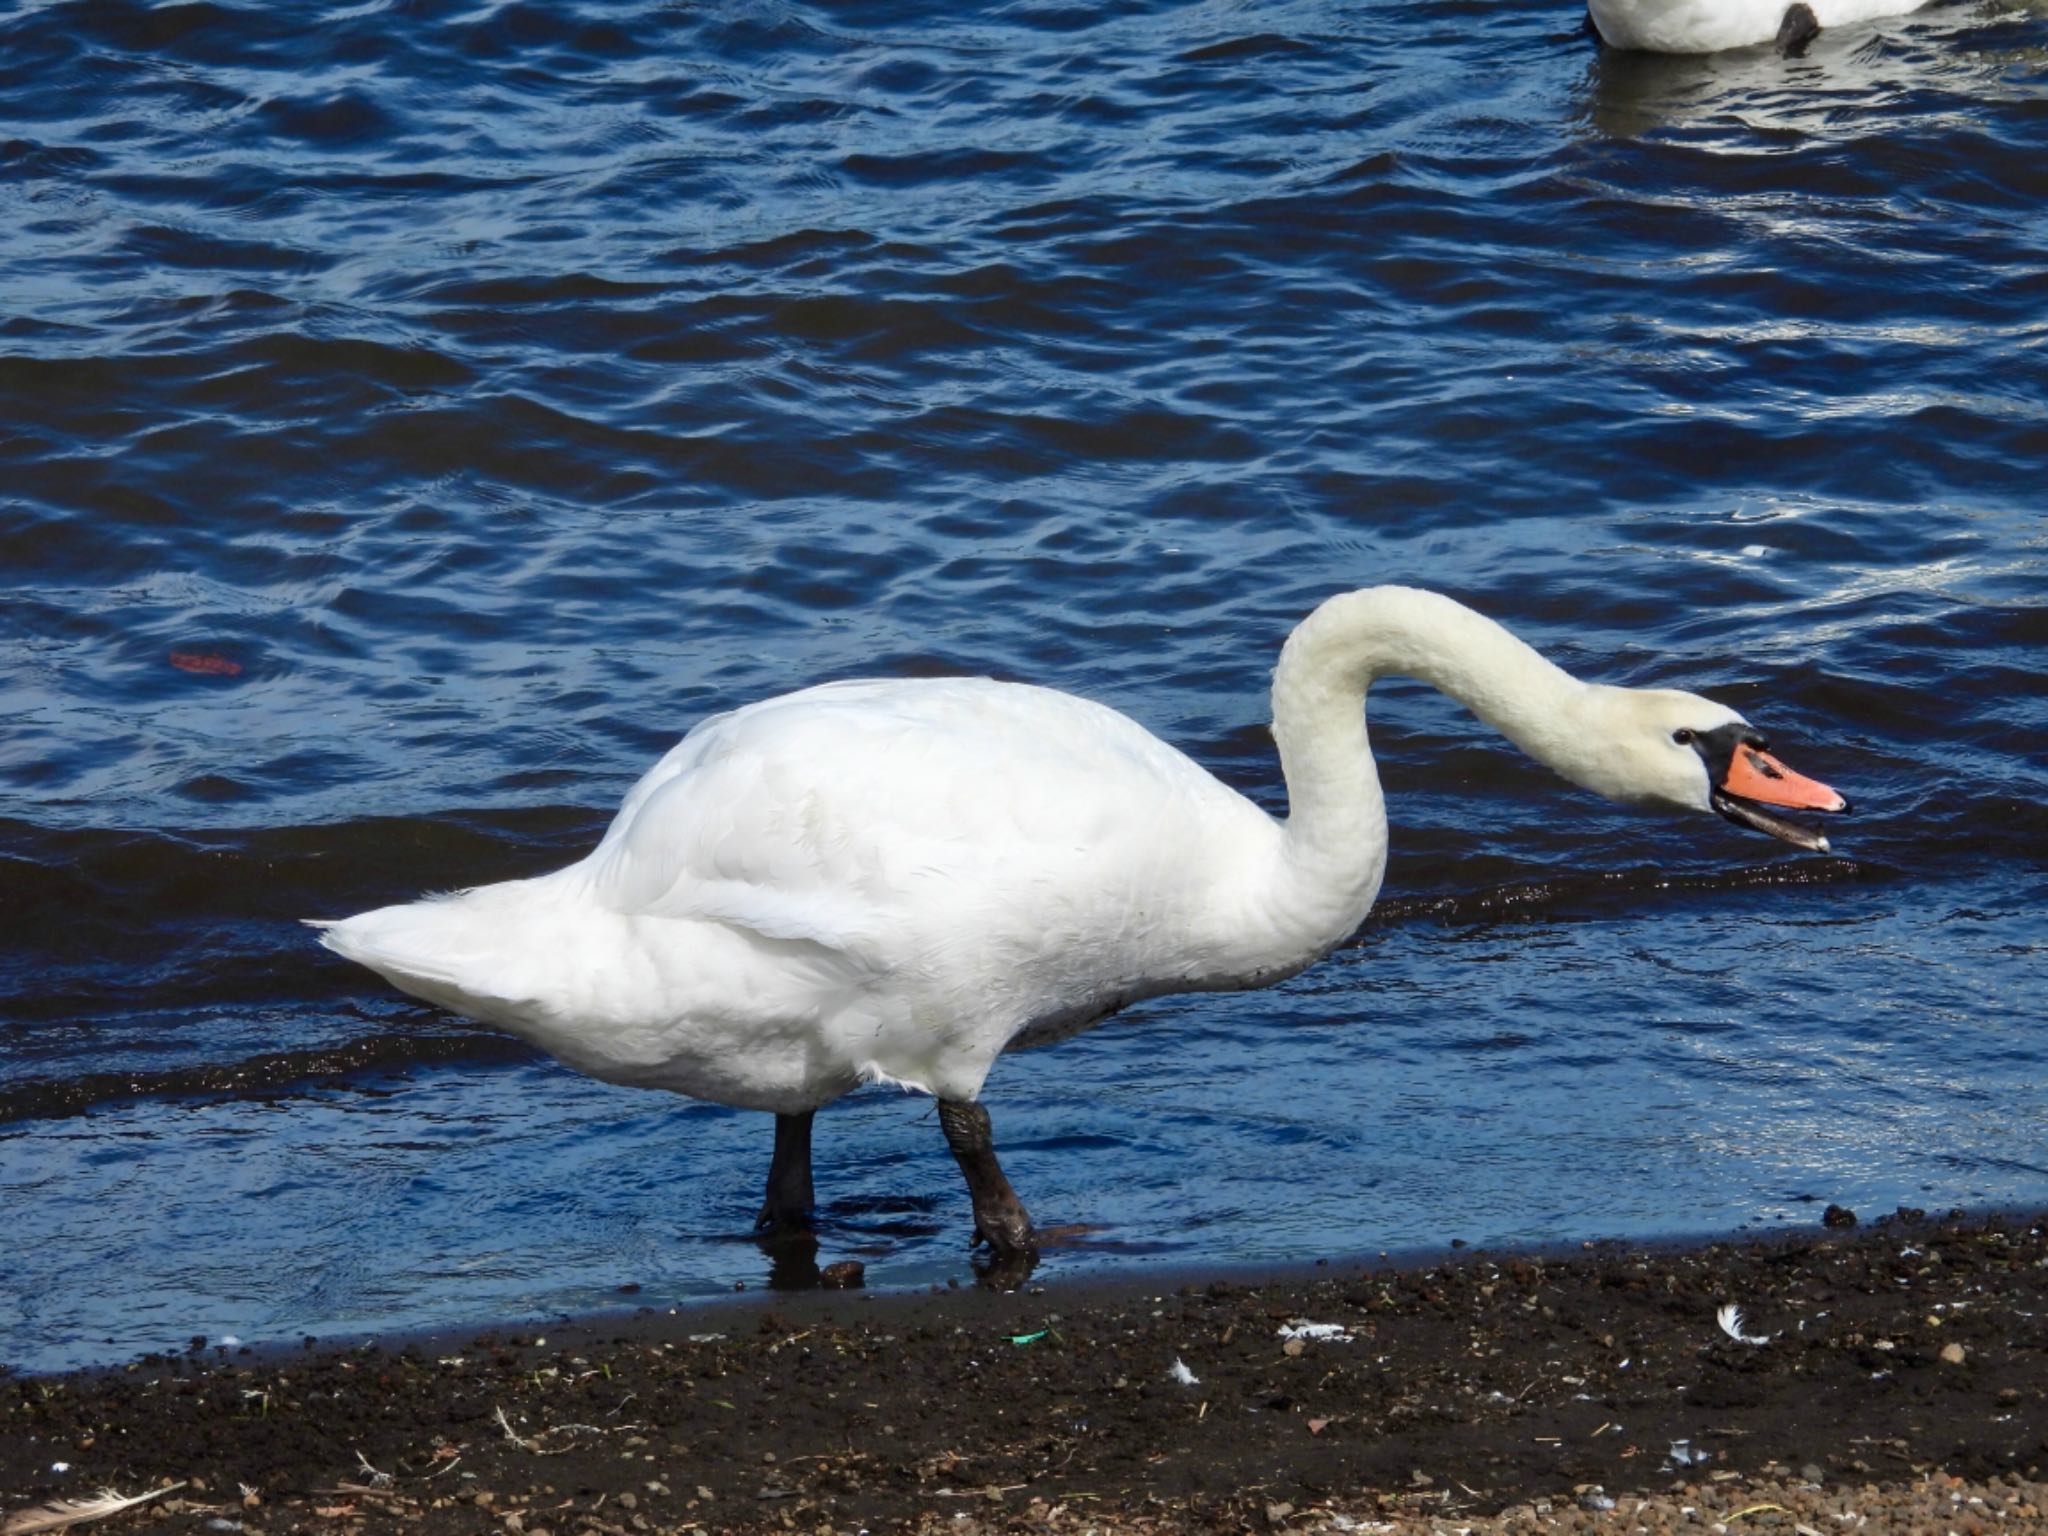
{"points": [[1710, 26], [896, 881]]}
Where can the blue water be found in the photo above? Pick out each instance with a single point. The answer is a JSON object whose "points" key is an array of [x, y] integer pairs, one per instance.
{"points": [[414, 416]]}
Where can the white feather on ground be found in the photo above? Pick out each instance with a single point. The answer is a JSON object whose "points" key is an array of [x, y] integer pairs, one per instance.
{"points": [[59, 1513], [1730, 1319], [1334, 1333]]}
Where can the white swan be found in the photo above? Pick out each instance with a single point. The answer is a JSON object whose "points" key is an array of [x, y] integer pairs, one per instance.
{"points": [[896, 881], [1708, 26]]}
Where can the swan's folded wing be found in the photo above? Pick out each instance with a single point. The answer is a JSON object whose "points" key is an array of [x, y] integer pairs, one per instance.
{"points": [[899, 825], [734, 841]]}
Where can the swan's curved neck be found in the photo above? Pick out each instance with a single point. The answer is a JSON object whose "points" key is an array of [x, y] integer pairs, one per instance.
{"points": [[1336, 813]]}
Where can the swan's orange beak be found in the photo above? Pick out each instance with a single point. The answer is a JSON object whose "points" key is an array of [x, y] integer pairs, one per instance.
{"points": [[1756, 775], [1754, 779]]}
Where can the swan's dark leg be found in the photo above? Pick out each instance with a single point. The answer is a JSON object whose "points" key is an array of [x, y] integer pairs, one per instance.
{"points": [[789, 1202], [999, 1216], [1799, 28]]}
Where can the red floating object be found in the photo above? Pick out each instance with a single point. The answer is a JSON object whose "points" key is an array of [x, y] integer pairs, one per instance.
{"points": [[201, 661]]}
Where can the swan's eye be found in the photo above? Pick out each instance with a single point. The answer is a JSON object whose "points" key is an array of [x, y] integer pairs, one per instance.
{"points": [[1683, 736]]}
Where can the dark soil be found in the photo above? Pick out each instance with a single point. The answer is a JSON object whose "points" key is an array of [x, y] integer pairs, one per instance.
{"points": [[1905, 1349]]}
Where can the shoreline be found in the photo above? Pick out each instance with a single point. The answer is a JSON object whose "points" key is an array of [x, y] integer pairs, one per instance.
{"points": [[1891, 1357], [1119, 1283]]}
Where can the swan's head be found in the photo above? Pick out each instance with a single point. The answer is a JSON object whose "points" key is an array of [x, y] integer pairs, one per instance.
{"points": [[1658, 746]]}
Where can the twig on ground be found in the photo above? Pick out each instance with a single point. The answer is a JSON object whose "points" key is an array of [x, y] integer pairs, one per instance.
{"points": [[512, 1434], [977, 1493], [534, 1447]]}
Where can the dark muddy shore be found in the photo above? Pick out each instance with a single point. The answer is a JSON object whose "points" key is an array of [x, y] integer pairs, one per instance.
{"points": [[1903, 1354]]}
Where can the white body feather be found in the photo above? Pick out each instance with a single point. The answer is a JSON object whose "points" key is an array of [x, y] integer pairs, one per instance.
{"points": [[898, 880]]}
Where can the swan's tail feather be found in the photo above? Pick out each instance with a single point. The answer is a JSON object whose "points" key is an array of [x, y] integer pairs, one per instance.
{"points": [[444, 950]]}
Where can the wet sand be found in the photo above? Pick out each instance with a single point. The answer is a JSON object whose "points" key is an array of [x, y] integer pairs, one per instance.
{"points": [[1900, 1382]]}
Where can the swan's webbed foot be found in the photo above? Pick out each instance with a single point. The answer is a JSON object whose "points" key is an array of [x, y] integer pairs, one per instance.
{"points": [[786, 1212], [1799, 28], [1000, 1219]]}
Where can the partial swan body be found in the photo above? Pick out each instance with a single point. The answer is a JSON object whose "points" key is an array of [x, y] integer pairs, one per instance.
{"points": [[1709, 26], [898, 880]]}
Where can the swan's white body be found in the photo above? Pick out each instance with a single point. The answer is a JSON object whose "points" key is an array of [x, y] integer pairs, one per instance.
{"points": [[882, 881], [1709, 26], [898, 880]]}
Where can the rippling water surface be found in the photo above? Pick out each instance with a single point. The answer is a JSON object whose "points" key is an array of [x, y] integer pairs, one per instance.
{"points": [[414, 416]]}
